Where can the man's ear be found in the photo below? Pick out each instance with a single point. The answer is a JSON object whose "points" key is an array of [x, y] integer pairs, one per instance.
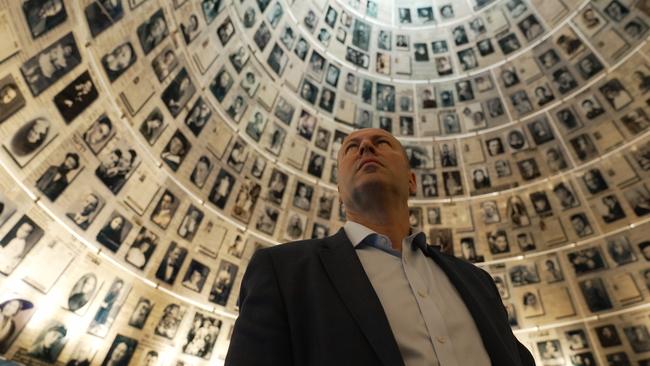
{"points": [[413, 185]]}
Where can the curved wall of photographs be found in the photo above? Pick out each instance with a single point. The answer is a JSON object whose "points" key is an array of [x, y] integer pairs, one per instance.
{"points": [[149, 147]]}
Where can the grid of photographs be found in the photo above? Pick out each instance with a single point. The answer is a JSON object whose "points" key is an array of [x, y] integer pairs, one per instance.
{"points": [[176, 138]]}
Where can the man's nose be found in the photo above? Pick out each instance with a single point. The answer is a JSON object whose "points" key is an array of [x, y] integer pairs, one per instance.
{"points": [[366, 145]]}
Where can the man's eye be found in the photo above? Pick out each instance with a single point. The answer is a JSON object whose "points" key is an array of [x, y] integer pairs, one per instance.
{"points": [[347, 149]]}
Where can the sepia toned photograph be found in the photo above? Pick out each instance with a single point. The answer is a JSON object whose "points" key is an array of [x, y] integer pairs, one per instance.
{"points": [[51, 64]]}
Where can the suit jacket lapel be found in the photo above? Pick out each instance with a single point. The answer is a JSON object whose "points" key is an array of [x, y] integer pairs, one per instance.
{"points": [[350, 280], [492, 340]]}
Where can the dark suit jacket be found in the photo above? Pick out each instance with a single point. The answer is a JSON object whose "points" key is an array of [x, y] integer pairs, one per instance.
{"points": [[311, 303]]}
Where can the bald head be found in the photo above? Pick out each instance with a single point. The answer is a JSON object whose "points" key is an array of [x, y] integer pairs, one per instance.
{"points": [[373, 172], [355, 136]]}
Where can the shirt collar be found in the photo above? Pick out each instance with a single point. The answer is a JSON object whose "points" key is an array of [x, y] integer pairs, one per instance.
{"points": [[357, 232]]}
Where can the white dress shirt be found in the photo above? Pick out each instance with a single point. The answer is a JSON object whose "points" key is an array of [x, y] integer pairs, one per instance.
{"points": [[430, 322]]}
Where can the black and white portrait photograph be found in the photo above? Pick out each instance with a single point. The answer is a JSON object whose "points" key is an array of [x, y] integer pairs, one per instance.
{"points": [[550, 352], [303, 195], [551, 269], [109, 307], [44, 15], [178, 92], [190, 28], [620, 250], [164, 63], [316, 164], [608, 335], [202, 335], [239, 58], [176, 150], [116, 165], [531, 27], [610, 209], [56, 178], [638, 336], [201, 171], [190, 223], [76, 97], [82, 292], [361, 34], [509, 43], [140, 313], [30, 139], [170, 321], [222, 188], [594, 181], [595, 294], [84, 210], [141, 248], [152, 126], [267, 219], [581, 225], [309, 91], [589, 66], [153, 31], [117, 61], [114, 231], [523, 274], [528, 169], [591, 108], [225, 31], [11, 97], [249, 192], [99, 133], [211, 8], [50, 64], [565, 195], [171, 263], [221, 84], [262, 36], [49, 342], [256, 124], [615, 94], [195, 276], [277, 186], [587, 260], [531, 304], [15, 312], [165, 209], [198, 116], [121, 351], [102, 14], [498, 242], [223, 283], [468, 250], [638, 199], [238, 155], [295, 226]]}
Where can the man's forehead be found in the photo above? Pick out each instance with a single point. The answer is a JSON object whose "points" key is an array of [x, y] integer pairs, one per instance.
{"points": [[368, 132]]}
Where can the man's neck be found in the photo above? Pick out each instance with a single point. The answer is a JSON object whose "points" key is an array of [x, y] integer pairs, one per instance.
{"points": [[393, 224]]}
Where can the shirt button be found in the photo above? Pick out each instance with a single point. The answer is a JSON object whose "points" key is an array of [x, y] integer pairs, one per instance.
{"points": [[422, 293], [441, 339]]}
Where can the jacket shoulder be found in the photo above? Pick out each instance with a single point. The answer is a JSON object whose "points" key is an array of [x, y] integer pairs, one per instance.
{"points": [[292, 249]]}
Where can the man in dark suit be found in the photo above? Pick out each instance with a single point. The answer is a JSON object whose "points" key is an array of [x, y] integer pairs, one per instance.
{"points": [[374, 293]]}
